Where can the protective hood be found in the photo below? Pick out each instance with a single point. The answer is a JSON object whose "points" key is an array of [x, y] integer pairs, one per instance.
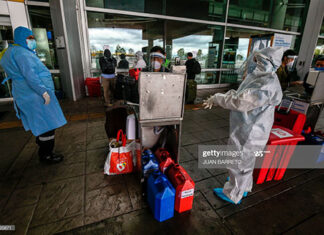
{"points": [[107, 53], [20, 35], [262, 61], [139, 55], [274, 55]]}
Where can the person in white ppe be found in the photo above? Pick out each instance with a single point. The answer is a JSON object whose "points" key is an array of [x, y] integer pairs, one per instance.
{"points": [[139, 61], [252, 108]]}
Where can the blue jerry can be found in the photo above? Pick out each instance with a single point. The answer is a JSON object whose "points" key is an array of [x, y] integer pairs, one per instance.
{"points": [[319, 141], [160, 196], [149, 163]]}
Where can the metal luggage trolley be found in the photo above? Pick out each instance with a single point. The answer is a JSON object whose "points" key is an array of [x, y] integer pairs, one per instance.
{"points": [[161, 109]]}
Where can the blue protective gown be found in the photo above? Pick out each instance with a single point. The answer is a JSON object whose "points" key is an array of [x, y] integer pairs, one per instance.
{"points": [[30, 79]]}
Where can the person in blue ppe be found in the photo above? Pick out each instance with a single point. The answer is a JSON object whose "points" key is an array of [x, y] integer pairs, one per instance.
{"points": [[252, 108], [33, 93]]}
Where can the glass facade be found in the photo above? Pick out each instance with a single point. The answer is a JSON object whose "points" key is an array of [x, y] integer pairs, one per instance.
{"points": [[239, 42], [322, 29], [41, 22], [219, 54], [6, 37], [40, 18], [178, 38], [213, 10], [283, 15], [319, 50]]}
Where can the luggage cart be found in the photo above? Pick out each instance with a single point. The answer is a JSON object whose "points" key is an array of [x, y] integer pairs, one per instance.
{"points": [[160, 111]]}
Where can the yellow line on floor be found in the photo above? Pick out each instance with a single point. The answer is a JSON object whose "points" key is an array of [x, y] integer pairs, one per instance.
{"points": [[8, 125]]}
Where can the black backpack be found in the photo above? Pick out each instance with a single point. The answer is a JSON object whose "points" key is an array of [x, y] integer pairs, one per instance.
{"points": [[108, 66], [126, 89], [196, 69]]}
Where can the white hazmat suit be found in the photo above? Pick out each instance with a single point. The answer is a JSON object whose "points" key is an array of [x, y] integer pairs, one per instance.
{"points": [[139, 62], [252, 108]]}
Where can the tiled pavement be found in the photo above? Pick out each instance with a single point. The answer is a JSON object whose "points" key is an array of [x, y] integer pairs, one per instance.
{"points": [[76, 198]]}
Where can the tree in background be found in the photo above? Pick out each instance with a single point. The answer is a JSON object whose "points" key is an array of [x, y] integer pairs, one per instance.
{"points": [[181, 53], [120, 50], [130, 51], [199, 54]]}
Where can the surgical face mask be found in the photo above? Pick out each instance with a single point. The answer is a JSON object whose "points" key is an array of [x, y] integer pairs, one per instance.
{"points": [[31, 44], [290, 66], [156, 65]]}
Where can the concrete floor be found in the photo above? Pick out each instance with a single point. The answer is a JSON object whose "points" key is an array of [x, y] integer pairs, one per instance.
{"points": [[74, 197]]}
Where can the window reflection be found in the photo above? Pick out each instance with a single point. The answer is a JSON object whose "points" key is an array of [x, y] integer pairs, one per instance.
{"points": [[239, 43], [285, 15], [127, 35], [43, 30], [196, 9], [6, 38], [319, 50]]}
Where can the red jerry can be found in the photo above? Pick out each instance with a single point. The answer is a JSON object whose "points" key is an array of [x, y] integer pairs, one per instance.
{"points": [[164, 159], [184, 187]]}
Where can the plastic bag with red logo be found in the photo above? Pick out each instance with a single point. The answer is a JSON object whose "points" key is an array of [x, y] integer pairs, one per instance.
{"points": [[120, 156]]}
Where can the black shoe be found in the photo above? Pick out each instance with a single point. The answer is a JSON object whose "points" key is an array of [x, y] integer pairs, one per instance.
{"points": [[52, 159]]}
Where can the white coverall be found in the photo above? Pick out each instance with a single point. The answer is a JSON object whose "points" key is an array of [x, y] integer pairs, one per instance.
{"points": [[139, 62], [252, 108]]}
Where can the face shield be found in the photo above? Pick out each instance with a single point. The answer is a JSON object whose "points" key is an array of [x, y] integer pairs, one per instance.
{"points": [[292, 60], [157, 59]]}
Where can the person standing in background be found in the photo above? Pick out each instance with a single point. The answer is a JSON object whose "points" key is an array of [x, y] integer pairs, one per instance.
{"points": [[139, 61], [108, 79], [123, 63], [193, 68], [285, 70]]}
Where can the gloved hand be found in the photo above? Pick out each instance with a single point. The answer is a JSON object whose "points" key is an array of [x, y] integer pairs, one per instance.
{"points": [[208, 104], [47, 98]]}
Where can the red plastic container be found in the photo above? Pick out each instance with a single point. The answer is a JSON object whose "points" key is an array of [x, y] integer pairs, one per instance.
{"points": [[93, 85], [281, 145], [292, 120], [184, 187], [164, 159]]}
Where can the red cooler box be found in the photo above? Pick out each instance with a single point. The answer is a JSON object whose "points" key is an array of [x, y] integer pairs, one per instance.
{"points": [[164, 159], [93, 85], [281, 145], [184, 187], [290, 119]]}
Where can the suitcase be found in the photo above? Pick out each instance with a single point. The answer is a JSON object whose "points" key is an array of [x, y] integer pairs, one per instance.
{"points": [[126, 89], [191, 91], [115, 120]]}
